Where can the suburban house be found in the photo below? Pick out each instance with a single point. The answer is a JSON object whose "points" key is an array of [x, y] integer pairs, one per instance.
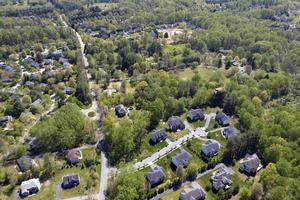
{"points": [[156, 176], [221, 179], [180, 159], [48, 62], [4, 120], [120, 110], [70, 181], [157, 135], [210, 148], [24, 163], [194, 192], [31, 62], [230, 132], [222, 119], [30, 187], [73, 156], [174, 123], [29, 83], [250, 164], [195, 115]]}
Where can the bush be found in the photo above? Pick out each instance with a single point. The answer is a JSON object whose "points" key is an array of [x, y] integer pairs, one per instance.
{"points": [[236, 190], [207, 187], [91, 114]]}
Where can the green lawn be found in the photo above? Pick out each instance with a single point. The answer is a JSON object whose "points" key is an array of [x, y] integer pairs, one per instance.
{"points": [[217, 136], [165, 163], [188, 73], [174, 195], [197, 124], [212, 125], [173, 136], [147, 149]]}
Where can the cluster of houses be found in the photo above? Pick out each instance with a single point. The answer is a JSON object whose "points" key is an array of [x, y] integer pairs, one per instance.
{"points": [[221, 178], [8, 73], [33, 186]]}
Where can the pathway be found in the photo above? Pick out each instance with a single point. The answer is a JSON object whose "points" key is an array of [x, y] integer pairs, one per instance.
{"points": [[105, 170], [208, 118]]}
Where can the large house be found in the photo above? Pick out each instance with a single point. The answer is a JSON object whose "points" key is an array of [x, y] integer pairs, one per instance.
{"points": [[222, 119], [30, 187], [194, 192], [195, 115], [230, 132], [210, 148], [120, 110], [221, 179], [175, 123], [24, 163], [158, 135], [250, 164], [70, 181], [73, 156], [180, 159], [156, 176]]}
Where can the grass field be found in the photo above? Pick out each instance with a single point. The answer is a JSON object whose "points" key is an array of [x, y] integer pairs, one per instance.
{"points": [[188, 73], [173, 136], [194, 148], [218, 136]]}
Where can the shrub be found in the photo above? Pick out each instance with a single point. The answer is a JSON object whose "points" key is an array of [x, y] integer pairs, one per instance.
{"points": [[91, 114], [207, 187]]}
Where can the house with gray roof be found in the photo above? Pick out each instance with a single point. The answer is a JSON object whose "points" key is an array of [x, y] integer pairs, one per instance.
{"points": [[24, 163], [195, 115], [30, 187], [174, 123], [157, 136], [250, 164], [222, 119], [180, 159], [222, 179], [156, 176], [230, 132], [73, 156], [194, 192], [210, 148], [120, 110], [70, 181]]}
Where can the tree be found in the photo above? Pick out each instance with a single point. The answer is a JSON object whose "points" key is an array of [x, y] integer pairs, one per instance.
{"points": [[192, 171], [244, 194], [126, 186], [180, 173]]}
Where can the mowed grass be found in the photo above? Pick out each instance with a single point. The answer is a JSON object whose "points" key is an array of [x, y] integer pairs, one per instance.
{"points": [[188, 73], [194, 147], [217, 136], [173, 136], [147, 149]]}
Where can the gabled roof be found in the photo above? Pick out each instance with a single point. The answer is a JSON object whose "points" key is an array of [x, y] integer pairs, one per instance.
{"points": [[230, 132], [222, 119], [31, 183], [196, 114], [194, 192], [5, 119], [174, 123], [222, 178], [210, 148], [250, 164], [158, 135], [155, 176], [182, 158], [70, 179]]}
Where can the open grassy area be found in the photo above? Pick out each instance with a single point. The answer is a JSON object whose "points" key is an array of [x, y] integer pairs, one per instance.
{"points": [[105, 6], [173, 136], [217, 136], [165, 163], [147, 149], [174, 195], [212, 125], [194, 147], [188, 73]]}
